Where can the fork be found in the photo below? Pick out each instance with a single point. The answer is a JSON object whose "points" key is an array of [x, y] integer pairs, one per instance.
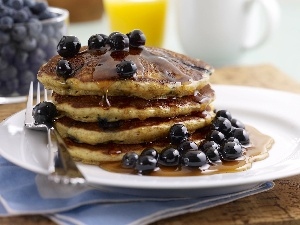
{"points": [[61, 167]]}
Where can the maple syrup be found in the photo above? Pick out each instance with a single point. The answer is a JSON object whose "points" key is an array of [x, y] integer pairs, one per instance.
{"points": [[257, 150]]}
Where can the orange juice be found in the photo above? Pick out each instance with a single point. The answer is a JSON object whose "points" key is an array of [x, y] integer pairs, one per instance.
{"points": [[146, 15]]}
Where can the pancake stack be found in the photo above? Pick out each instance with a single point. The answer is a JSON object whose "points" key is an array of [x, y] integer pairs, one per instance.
{"points": [[115, 100]]}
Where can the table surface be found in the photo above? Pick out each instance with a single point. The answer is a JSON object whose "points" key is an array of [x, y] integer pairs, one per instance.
{"points": [[277, 206]]}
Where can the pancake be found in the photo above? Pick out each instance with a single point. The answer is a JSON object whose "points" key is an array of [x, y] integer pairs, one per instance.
{"points": [[160, 73], [103, 113], [108, 153], [95, 154], [129, 131], [113, 108]]}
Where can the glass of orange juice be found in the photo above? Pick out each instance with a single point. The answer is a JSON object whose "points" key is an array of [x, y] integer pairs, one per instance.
{"points": [[149, 16]]}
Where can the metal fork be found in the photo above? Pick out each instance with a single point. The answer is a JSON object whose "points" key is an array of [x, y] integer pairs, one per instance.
{"points": [[61, 167]]}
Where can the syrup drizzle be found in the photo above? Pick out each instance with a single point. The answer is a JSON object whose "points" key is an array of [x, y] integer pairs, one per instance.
{"points": [[163, 64]]}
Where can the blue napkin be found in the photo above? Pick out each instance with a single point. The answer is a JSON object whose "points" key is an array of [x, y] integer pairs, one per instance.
{"points": [[24, 193]]}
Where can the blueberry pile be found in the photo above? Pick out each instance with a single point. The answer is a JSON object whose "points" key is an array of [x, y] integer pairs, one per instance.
{"points": [[225, 141], [26, 42], [69, 46]]}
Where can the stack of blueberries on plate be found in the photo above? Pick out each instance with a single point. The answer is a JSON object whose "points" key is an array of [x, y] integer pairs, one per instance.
{"points": [[29, 33]]}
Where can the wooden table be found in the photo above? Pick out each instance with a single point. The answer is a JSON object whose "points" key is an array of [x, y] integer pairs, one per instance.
{"points": [[281, 205]]}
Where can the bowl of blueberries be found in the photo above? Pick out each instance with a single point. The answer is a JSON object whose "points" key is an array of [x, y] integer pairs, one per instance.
{"points": [[29, 33]]}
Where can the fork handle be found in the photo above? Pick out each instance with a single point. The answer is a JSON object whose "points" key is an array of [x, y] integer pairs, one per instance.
{"points": [[52, 146], [64, 163]]}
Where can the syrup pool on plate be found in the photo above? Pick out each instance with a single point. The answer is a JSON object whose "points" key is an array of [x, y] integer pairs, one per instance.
{"points": [[257, 150]]}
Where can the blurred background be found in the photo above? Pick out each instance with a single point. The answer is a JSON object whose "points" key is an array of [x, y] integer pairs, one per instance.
{"points": [[31, 29], [282, 50]]}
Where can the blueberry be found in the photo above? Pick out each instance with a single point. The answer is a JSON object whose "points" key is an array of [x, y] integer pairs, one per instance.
{"points": [[178, 133], [6, 23], [136, 38], [46, 14], [212, 154], [4, 38], [129, 160], [194, 158], [8, 86], [126, 69], [49, 30], [216, 136], [26, 78], [44, 113], [97, 41], [39, 54], [186, 146], [238, 124], [233, 139], [3, 63], [145, 164], [50, 47], [221, 124], [34, 27], [42, 40], [10, 71], [151, 152], [110, 35], [231, 151], [22, 67], [206, 144], [169, 157], [4, 11], [16, 4], [64, 68], [68, 46], [28, 44], [211, 149], [39, 7], [21, 58], [20, 16], [18, 32], [8, 52], [224, 113], [242, 135], [104, 124], [118, 42], [29, 3], [35, 67]]}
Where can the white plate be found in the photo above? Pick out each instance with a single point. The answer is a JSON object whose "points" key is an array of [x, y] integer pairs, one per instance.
{"points": [[272, 112], [10, 100]]}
